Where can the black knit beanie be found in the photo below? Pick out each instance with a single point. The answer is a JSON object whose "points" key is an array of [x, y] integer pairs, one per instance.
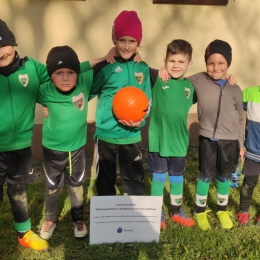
{"points": [[6, 36], [220, 47], [62, 57]]}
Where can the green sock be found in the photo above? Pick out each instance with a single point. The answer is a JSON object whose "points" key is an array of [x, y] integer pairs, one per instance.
{"points": [[176, 188], [157, 188], [223, 194], [176, 194], [202, 190], [223, 187], [23, 226]]}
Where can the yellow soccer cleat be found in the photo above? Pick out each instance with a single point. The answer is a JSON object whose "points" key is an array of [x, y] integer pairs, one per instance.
{"points": [[202, 220], [224, 219], [31, 240]]}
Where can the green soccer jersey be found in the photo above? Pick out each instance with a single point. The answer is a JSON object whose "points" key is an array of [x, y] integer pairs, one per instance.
{"points": [[168, 131], [108, 80], [18, 94], [66, 127]]}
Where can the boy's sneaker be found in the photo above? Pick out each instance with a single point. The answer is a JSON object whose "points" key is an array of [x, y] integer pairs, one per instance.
{"points": [[31, 240], [257, 221], [202, 220], [183, 219], [224, 219], [243, 218], [47, 229], [80, 229], [163, 222]]}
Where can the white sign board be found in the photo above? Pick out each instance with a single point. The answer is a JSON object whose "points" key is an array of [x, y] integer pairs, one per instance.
{"points": [[124, 219]]}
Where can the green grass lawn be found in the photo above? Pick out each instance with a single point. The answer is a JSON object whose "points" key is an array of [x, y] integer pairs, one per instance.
{"points": [[176, 242]]}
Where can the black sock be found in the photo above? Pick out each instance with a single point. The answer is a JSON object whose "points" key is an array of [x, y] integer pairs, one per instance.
{"points": [[175, 209], [21, 234], [200, 209]]}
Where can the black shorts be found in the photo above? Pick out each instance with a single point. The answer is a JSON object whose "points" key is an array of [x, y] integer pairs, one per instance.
{"points": [[16, 167], [64, 168], [251, 168], [174, 165], [218, 157]]}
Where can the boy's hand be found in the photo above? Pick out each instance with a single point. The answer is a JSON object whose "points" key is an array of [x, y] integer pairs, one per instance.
{"points": [[163, 74], [110, 56], [131, 123], [231, 79], [137, 57], [242, 153], [45, 111]]}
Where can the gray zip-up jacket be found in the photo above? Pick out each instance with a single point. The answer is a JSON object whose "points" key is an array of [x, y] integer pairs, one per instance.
{"points": [[220, 109]]}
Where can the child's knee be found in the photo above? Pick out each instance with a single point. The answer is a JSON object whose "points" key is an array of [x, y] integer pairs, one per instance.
{"points": [[160, 177], [205, 179], [222, 179], [177, 179]]}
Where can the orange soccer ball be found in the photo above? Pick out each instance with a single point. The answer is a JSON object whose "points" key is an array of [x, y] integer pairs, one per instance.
{"points": [[130, 104]]}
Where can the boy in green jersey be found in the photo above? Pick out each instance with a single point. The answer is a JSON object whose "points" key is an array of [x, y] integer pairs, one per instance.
{"points": [[168, 131], [64, 135], [20, 79], [118, 138]]}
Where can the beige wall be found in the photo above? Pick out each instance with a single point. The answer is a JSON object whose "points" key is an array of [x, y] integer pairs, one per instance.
{"points": [[86, 26]]}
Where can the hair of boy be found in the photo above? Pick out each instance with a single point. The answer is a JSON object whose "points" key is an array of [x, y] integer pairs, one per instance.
{"points": [[221, 47], [61, 57], [127, 23], [179, 47], [6, 36]]}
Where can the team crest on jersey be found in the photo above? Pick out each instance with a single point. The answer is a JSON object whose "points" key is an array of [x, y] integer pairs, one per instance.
{"points": [[79, 101], [187, 92], [24, 79], [140, 77]]}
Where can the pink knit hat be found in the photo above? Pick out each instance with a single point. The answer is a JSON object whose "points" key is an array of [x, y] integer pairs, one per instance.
{"points": [[127, 23]]}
